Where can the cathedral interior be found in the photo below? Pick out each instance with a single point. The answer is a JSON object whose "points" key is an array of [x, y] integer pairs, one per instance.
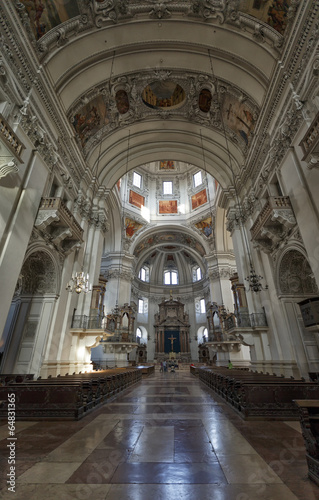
{"points": [[159, 202]]}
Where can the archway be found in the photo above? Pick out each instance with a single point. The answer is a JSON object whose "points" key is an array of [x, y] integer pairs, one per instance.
{"points": [[30, 314]]}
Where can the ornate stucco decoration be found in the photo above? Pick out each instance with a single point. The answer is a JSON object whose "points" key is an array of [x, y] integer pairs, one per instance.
{"points": [[100, 14], [38, 275], [7, 167], [235, 218], [286, 131], [10, 149], [274, 224], [133, 85], [57, 225], [295, 276]]}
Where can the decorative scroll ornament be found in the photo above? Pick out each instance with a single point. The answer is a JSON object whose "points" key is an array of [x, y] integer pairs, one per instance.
{"points": [[8, 168]]}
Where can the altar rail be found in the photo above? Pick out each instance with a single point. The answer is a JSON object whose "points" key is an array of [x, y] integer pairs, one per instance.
{"points": [[68, 397], [257, 395]]}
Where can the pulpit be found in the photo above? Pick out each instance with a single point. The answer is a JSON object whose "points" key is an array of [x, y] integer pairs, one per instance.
{"points": [[172, 331]]}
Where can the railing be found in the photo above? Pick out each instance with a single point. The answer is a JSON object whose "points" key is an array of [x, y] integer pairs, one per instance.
{"points": [[119, 337], [10, 138], [311, 137], [87, 322], [273, 203], [58, 204], [246, 320]]}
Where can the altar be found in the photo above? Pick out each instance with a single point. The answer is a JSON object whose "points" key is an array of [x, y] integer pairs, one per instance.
{"points": [[172, 331]]}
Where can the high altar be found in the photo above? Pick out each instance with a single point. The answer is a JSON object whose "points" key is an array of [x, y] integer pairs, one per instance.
{"points": [[172, 331]]}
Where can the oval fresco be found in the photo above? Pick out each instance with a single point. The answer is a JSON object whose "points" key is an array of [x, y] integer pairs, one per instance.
{"points": [[205, 100], [122, 102], [161, 95]]}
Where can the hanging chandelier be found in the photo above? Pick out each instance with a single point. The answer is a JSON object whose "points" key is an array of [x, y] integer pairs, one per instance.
{"points": [[254, 281], [79, 283]]}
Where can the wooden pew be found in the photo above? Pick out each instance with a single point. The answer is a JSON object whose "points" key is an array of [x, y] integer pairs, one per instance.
{"points": [[66, 397], [258, 395], [146, 370], [309, 421]]}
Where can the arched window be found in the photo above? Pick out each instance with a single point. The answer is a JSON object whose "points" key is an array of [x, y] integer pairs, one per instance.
{"points": [[170, 278], [138, 333], [144, 274], [197, 273]]}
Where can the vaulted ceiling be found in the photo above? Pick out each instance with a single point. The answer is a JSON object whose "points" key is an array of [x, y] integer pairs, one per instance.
{"points": [[101, 58]]}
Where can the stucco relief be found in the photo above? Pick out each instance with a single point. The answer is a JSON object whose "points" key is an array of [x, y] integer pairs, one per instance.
{"points": [[295, 275], [38, 275]]}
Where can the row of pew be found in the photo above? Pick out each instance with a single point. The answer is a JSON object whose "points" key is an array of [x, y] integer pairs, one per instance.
{"points": [[68, 397], [258, 395]]}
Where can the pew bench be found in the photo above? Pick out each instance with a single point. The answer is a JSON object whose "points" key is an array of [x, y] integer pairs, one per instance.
{"points": [[259, 396], [309, 421], [68, 396]]}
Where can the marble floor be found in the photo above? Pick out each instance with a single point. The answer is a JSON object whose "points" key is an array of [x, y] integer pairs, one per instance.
{"points": [[167, 438]]}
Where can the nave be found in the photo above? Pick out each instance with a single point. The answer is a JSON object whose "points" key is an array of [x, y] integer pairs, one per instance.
{"points": [[165, 438]]}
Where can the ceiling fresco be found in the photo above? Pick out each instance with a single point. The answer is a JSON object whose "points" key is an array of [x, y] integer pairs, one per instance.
{"points": [[163, 94], [205, 226], [272, 12], [89, 119], [238, 117], [45, 15]]}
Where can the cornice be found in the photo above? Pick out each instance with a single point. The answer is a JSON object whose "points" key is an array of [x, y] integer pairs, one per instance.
{"points": [[107, 14]]}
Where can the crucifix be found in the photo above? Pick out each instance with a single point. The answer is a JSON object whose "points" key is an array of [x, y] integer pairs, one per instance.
{"points": [[172, 341]]}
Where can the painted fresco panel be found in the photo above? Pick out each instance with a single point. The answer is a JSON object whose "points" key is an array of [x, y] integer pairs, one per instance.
{"points": [[272, 12], [89, 119], [163, 94], [136, 199], [238, 117], [167, 165], [122, 102], [199, 199], [167, 207], [205, 226], [205, 100], [46, 14], [131, 227]]}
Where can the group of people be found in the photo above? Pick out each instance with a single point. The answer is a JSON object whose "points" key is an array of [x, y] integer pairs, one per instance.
{"points": [[164, 366]]}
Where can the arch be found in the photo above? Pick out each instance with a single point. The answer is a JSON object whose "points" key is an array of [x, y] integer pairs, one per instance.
{"points": [[180, 140], [39, 273], [294, 274]]}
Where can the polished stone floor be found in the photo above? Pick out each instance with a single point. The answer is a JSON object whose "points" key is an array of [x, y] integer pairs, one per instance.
{"points": [[166, 438]]}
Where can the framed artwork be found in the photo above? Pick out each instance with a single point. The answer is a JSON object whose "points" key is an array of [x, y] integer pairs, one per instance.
{"points": [[136, 199], [167, 207], [199, 199], [167, 165]]}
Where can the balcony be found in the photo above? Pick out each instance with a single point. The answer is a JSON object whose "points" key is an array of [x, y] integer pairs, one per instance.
{"points": [[9, 138], [11, 149], [246, 320], [58, 225], [310, 144], [273, 224]]}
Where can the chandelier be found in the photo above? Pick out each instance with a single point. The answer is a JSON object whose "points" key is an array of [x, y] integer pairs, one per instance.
{"points": [[254, 281], [79, 283]]}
